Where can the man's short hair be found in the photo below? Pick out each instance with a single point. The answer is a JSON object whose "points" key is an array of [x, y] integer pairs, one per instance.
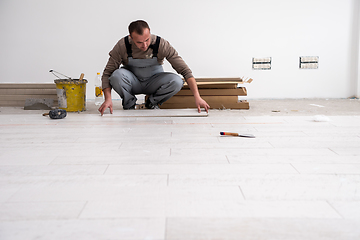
{"points": [[138, 27]]}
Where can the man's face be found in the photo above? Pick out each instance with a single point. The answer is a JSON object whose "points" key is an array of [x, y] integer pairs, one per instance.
{"points": [[142, 41]]}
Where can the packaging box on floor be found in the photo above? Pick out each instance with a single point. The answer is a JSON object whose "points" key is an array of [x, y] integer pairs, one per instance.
{"points": [[219, 93]]}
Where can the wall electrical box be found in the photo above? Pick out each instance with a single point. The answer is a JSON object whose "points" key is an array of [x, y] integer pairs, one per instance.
{"points": [[261, 63], [309, 62]]}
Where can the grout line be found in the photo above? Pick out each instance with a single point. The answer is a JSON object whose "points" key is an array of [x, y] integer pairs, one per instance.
{"points": [[271, 144], [82, 210], [334, 151], [106, 169], [51, 163], [295, 168], [227, 159], [166, 225], [242, 192], [334, 209]]}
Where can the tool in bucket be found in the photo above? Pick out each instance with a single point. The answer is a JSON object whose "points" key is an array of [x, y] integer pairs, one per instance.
{"points": [[71, 93], [54, 72]]}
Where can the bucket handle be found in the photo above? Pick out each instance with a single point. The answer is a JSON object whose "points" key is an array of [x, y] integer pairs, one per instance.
{"points": [[53, 72]]}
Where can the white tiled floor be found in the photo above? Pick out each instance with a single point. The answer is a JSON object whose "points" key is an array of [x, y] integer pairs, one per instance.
{"points": [[175, 178]]}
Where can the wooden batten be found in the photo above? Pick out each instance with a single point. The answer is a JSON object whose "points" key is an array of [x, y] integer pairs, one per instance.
{"points": [[214, 85], [215, 92], [15, 94], [27, 86]]}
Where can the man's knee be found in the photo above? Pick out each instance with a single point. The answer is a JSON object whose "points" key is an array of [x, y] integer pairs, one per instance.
{"points": [[120, 76], [176, 82]]}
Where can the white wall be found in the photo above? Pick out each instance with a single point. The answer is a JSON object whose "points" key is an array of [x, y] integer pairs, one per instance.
{"points": [[216, 39], [357, 46]]}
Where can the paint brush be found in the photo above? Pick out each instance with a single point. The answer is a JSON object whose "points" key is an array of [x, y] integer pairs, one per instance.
{"points": [[237, 134]]}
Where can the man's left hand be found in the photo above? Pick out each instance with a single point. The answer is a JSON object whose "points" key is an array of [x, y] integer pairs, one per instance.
{"points": [[201, 103]]}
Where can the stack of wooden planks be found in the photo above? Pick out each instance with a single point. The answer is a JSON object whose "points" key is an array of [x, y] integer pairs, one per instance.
{"points": [[15, 94], [219, 93]]}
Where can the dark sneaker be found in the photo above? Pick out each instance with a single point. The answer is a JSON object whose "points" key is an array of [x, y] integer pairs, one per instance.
{"points": [[149, 105]]}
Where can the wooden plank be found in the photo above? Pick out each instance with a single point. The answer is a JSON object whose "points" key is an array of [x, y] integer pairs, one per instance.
{"points": [[238, 105], [21, 91], [27, 85], [18, 103], [5, 103], [157, 113], [215, 102], [190, 99], [24, 97], [236, 79], [215, 92], [214, 85]]}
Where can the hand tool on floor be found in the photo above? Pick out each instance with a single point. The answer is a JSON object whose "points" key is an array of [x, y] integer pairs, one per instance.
{"points": [[237, 134], [56, 114]]}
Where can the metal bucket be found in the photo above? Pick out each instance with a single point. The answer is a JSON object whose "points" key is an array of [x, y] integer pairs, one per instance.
{"points": [[71, 94]]}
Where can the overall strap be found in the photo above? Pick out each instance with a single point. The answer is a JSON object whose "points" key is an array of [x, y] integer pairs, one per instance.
{"points": [[155, 47], [128, 46]]}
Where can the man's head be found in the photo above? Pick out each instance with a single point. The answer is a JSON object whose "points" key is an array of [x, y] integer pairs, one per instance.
{"points": [[140, 34]]}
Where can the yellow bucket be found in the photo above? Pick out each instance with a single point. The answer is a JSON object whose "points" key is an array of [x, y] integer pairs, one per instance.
{"points": [[71, 94]]}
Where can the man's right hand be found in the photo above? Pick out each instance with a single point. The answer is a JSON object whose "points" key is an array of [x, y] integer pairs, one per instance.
{"points": [[105, 105]]}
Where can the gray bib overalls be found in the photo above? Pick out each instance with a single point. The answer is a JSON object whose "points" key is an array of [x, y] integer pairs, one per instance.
{"points": [[144, 76]]}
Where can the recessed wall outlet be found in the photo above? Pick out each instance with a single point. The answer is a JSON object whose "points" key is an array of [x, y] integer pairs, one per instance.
{"points": [[261, 63], [309, 62]]}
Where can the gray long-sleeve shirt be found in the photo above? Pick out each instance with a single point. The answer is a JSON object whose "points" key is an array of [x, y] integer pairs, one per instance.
{"points": [[118, 57]]}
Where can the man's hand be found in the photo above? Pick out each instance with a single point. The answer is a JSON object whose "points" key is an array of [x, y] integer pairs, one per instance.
{"points": [[105, 105], [198, 100], [108, 102], [201, 103]]}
